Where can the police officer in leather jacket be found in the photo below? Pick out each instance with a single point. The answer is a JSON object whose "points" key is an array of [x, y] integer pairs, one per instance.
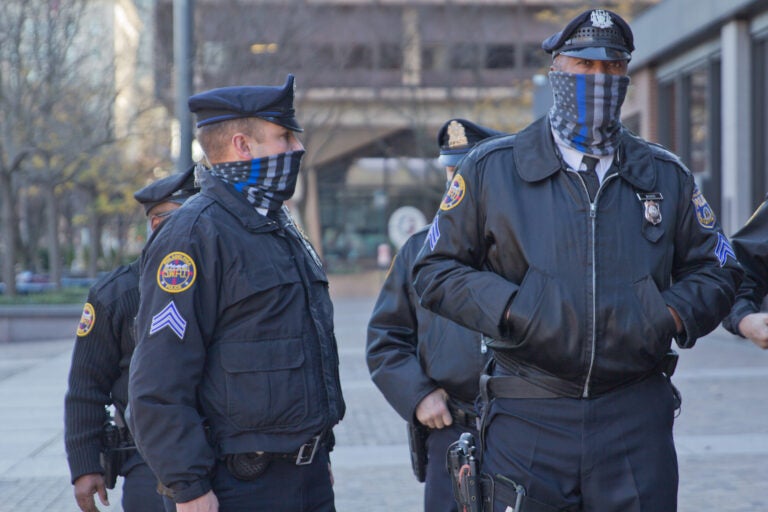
{"points": [[750, 243], [98, 375], [582, 250], [234, 385], [426, 366]]}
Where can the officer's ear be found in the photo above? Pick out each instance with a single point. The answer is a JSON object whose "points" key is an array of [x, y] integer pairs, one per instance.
{"points": [[242, 145]]}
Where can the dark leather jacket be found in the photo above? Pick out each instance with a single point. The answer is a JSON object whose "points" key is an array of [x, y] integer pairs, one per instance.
{"points": [[412, 351], [586, 285], [750, 244], [235, 327]]}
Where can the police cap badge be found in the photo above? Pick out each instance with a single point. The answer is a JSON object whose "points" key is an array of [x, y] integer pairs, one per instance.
{"points": [[457, 136], [596, 34]]}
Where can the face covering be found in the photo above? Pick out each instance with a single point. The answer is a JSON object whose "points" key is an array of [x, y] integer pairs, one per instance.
{"points": [[587, 110], [266, 182]]}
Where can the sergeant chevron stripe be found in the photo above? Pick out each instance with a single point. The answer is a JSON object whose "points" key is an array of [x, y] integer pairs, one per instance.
{"points": [[169, 317]]}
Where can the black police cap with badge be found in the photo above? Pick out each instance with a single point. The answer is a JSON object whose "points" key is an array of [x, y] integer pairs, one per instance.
{"points": [[457, 137], [595, 35], [175, 188], [273, 104]]}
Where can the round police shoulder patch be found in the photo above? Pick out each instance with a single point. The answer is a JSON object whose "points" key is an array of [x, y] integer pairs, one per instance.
{"points": [[704, 213], [455, 194], [87, 320], [177, 272]]}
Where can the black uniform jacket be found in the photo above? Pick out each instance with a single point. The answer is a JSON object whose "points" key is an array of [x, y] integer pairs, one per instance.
{"points": [[235, 328], [412, 351], [750, 244], [98, 375], [587, 284]]}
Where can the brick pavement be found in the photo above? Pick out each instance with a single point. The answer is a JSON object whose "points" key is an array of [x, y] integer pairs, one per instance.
{"points": [[722, 434]]}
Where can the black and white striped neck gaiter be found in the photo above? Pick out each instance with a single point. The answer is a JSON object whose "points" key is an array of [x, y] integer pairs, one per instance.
{"points": [[586, 113], [266, 182]]}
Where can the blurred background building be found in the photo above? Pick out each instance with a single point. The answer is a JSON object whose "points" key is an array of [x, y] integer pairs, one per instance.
{"points": [[375, 80]]}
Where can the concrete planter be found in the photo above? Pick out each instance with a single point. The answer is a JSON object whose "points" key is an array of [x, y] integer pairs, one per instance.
{"points": [[38, 322]]}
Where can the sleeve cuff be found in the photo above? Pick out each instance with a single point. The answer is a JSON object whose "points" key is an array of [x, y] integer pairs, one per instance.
{"points": [[192, 491]]}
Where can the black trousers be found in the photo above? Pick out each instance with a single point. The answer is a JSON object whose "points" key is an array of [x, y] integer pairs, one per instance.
{"points": [[613, 453], [438, 492], [140, 487]]}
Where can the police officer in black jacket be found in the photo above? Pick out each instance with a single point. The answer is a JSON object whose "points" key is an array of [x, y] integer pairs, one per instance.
{"points": [[750, 243], [234, 385], [582, 251], [426, 366], [98, 376]]}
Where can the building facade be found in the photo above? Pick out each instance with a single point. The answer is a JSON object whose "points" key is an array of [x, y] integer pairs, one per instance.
{"points": [[375, 81]]}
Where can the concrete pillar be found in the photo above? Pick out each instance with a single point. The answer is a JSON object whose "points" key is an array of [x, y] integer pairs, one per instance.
{"points": [[411, 47], [736, 128]]}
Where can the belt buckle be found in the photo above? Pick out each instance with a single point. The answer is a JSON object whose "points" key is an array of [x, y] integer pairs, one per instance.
{"points": [[303, 458]]}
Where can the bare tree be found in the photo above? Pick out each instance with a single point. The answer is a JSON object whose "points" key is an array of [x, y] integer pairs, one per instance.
{"points": [[57, 126]]}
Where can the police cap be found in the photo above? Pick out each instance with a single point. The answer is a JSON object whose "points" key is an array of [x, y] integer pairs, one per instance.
{"points": [[271, 103], [457, 137], [176, 188], [596, 34]]}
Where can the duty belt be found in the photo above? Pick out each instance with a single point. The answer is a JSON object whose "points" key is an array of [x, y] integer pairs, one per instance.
{"points": [[304, 455], [517, 386]]}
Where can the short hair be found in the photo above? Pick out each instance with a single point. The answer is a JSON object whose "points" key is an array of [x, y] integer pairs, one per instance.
{"points": [[214, 138]]}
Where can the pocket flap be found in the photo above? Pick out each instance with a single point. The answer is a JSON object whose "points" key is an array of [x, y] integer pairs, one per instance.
{"points": [[262, 356]]}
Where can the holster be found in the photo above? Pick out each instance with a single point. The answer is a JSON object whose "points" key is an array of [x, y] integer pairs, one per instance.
{"points": [[417, 443], [463, 469], [116, 446]]}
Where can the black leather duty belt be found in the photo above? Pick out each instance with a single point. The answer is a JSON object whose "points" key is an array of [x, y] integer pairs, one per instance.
{"points": [[305, 453]]}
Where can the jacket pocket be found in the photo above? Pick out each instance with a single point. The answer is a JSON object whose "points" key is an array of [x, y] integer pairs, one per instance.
{"points": [[537, 312], [659, 325], [266, 384]]}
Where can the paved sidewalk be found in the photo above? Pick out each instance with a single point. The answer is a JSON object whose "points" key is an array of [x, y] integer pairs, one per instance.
{"points": [[721, 435]]}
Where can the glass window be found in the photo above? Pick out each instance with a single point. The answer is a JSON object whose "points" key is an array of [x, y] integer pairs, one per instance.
{"points": [[465, 56], [500, 56], [534, 57], [390, 56], [359, 56], [699, 161]]}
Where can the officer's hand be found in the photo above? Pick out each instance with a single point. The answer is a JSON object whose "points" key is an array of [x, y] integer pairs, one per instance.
{"points": [[433, 411], [205, 503], [755, 327], [85, 487]]}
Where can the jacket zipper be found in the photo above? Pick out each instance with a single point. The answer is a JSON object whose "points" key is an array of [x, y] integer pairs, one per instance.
{"points": [[593, 222]]}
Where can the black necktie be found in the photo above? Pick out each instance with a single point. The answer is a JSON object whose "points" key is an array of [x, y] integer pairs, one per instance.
{"points": [[589, 176]]}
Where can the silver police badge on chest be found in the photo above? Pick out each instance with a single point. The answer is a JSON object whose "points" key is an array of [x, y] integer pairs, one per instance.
{"points": [[651, 208]]}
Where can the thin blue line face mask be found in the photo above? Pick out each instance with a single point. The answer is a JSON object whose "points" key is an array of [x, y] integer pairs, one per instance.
{"points": [[266, 182], [586, 112]]}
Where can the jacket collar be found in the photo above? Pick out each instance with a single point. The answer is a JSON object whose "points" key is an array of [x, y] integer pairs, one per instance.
{"points": [[235, 203], [539, 160]]}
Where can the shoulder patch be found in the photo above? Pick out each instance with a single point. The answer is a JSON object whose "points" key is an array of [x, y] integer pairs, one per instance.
{"points": [[177, 272], [455, 194], [87, 320], [704, 213]]}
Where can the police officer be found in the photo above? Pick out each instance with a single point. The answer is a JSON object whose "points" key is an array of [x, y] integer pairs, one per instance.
{"points": [[750, 243], [234, 384], [426, 366], [98, 375], [582, 251]]}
